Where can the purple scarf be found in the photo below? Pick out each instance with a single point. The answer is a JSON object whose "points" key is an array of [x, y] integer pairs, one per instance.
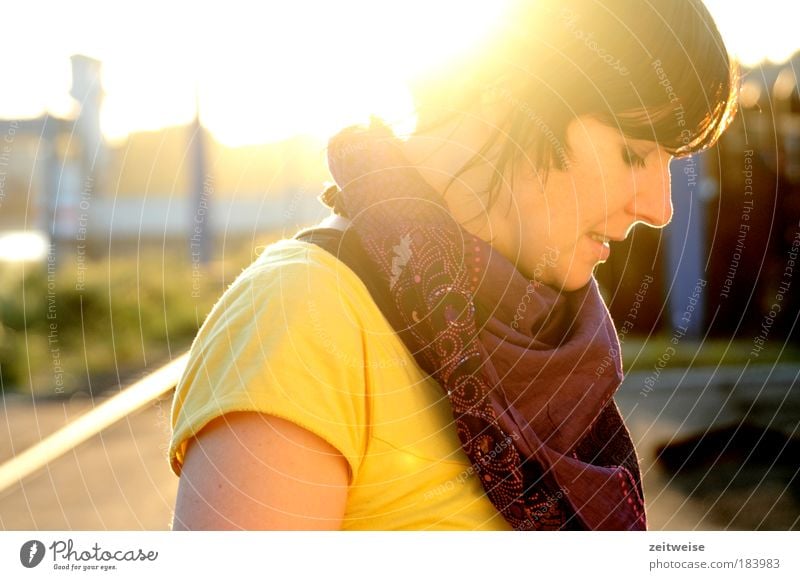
{"points": [[529, 371]]}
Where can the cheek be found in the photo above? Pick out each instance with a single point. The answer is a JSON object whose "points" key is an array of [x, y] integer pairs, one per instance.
{"points": [[560, 210], [577, 199], [601, 192], [566, 219], [561, 214], [620, 191]]}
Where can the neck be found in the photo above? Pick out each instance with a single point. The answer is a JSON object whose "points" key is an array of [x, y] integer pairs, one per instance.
{"points": [[335, 221], [441, 153]]}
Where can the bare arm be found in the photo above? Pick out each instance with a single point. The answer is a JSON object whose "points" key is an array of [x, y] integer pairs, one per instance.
{"points": [[251, 471]]}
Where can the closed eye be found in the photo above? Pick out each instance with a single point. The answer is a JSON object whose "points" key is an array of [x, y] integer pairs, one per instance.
{"points": [[632, 159]]}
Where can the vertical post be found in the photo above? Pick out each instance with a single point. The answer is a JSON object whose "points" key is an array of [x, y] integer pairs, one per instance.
{"points": [[686, 249], [78, 179], [200, 242]]}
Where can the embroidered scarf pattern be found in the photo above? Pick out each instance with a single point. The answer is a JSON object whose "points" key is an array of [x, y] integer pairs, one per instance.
{"points": [[529, 371]]}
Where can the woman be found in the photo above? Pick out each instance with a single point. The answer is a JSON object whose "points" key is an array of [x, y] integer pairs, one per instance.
{"points": [[454, 367]]}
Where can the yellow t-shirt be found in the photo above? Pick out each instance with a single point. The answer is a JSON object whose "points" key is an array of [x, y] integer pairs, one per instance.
{"points": [[298, 336]]}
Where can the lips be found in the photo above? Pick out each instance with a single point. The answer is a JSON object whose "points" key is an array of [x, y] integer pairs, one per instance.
{"points": [[600, 244]]}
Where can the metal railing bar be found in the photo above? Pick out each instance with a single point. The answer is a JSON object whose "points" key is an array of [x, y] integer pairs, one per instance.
{"points": [[92, 422]]}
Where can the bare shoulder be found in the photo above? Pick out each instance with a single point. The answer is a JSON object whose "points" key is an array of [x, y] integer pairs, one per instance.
{"points": [[252, 471]]}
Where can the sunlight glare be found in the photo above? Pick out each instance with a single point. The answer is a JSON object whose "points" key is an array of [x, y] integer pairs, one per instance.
{"points": [[754, 32], [23, 246], [267, 73]]}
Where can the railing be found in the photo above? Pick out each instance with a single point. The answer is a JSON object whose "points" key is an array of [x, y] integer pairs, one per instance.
{"points": [[92, 422]]}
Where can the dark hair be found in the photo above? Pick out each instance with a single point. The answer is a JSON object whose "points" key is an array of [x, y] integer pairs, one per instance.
{"points": [[655, 69]]}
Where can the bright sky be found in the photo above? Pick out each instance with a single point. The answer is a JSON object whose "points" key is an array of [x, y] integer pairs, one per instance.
{"points": [[269, 70]]}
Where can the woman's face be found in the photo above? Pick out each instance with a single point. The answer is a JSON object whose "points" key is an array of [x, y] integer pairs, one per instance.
{"points": [[559, 233]]}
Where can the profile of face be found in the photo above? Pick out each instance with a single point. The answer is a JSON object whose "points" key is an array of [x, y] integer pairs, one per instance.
{"points": [[558, 231], [519, 87]]}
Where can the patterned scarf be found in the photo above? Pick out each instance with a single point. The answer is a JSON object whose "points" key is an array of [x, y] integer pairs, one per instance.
{"points": [[529, 371]]}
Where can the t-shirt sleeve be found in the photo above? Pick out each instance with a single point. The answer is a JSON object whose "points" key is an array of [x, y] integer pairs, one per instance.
{"points": [[283, 340]]}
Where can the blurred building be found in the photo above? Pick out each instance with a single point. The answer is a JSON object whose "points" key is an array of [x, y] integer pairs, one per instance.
{"points": [[61, 182], [47, 162]]}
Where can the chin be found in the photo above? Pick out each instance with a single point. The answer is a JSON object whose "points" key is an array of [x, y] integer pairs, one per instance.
{"points": [[574, 282]]}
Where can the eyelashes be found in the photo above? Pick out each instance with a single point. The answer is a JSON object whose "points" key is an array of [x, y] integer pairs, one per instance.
{"points": [[631, 159]]}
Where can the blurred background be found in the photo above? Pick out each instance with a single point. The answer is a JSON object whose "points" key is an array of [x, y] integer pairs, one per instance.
{"points": [[148, 150]]}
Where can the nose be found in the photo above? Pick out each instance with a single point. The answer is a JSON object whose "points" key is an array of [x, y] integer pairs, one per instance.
{"points": [[652, 202]]}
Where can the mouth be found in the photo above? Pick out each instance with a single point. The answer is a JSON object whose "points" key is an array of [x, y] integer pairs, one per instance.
{"points": [[600, 238], [601, 245]]}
